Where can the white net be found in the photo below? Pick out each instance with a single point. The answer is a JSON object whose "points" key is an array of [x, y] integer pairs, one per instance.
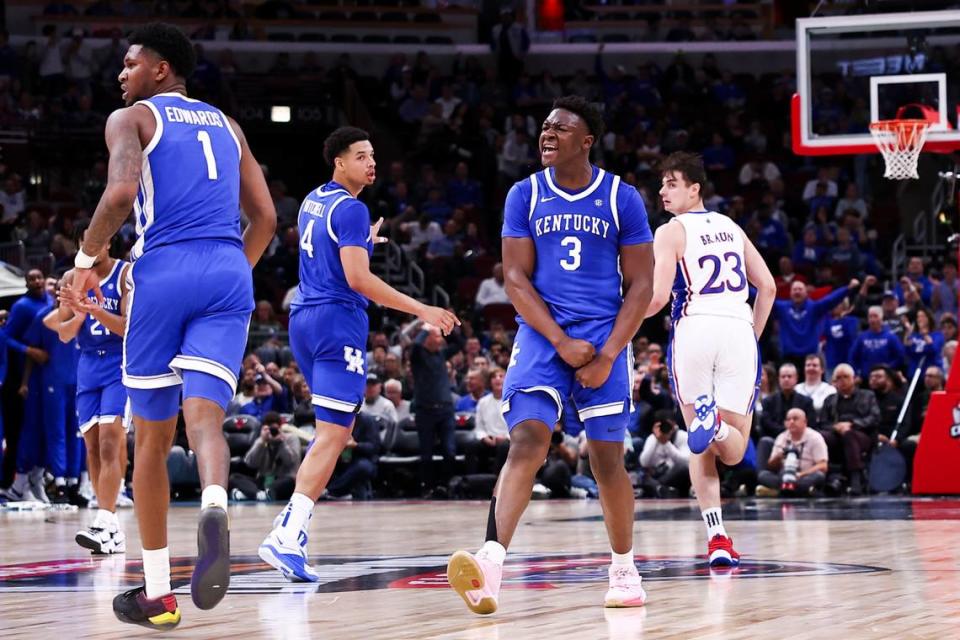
{"points": [[900, 142]]}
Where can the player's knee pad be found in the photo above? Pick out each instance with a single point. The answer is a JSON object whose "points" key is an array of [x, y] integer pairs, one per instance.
{"points": [[530, 405], [155, 404], [199, 384]]}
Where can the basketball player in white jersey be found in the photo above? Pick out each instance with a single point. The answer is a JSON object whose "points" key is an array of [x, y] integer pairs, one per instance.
{"points": [[707, 262]]}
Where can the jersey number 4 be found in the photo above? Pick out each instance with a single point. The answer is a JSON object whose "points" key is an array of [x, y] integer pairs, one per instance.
{"points": [[717, 266], [306, 240]]}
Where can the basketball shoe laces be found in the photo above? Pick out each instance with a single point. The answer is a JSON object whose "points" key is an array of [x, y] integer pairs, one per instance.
{"points": [[718, 542]]}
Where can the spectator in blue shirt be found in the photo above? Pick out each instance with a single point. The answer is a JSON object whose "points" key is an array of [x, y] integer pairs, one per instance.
{"points": [[801, 319], [263, 398], [718, 156], [463, 192], [917, 278], [773, 236], [922, 341], [809, 252], [438, 209], [476, 388], [846, 257], [840, 332], [876, 345]]}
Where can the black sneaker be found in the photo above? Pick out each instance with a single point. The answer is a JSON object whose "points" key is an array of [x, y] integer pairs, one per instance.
{"points": [[59, 495], [133, 607], [211, 576], [74, 497]]}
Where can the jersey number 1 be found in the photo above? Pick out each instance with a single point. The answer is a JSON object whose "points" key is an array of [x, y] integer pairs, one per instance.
{"points": [[204, 138]]}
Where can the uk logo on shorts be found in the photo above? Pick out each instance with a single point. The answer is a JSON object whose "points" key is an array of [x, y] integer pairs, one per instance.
{"points": [[354, 358]]}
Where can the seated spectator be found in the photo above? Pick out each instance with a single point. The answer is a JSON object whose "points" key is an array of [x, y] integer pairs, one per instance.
{"points": [[773, 236], [303, 411], [375, 404], [422, 232], [845, 256], [798, 462], [493, 437], [665, 458], [889, 395], [393, 389], [275, 456], [463, 192], [949, 351], [492, 290], [922, 342], [876, 345], [808, 253], [557, 471], [944, 296], [813, 385], [850, 421], [948, 327], [264, 318], [435, 207], [357, 466], [851, 200], [760, 171], [273, 351], [263, 400], [444, 245], [719, 155], [777, 404], [823, 181], [915, 278], [476, 389]]}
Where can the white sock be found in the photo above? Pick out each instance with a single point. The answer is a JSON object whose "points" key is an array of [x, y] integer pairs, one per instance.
{"points": [[107, 520], [722, 432], [621, 559], [713, 518], [71, 482], [156, 572], [494, 551], [298, 512], [60, 481], [214, 496]]}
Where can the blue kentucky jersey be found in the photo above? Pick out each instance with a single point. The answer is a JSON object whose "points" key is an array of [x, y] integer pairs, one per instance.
{"points": [[577, 238], [330, 218], [94, 336], [190, 179]]}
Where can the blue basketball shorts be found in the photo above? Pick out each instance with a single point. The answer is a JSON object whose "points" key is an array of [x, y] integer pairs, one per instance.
{"points": [[188, 313], [101, 396], [329, 343], [538, 382]]}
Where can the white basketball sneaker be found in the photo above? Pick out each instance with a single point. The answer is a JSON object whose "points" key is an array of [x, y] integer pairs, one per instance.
{"points": [[625, 588], [101, 539]]}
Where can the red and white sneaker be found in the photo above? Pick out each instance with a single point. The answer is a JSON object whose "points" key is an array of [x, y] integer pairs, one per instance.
{"points": [[722, 553], [625, 589], [477, 579]]}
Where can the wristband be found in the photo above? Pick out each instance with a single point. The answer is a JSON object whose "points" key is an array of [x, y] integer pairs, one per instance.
{"points": [[83, 261]]}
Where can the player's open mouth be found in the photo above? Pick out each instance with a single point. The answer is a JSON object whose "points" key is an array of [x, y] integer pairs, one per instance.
{"points": [[548, 148]]}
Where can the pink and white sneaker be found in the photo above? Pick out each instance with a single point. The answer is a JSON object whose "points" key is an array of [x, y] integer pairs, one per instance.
{"points": [[477, 579], [625, 589]]}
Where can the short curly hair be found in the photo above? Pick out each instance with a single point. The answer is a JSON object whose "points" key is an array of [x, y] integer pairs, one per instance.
{"points": [[168, 42], [340, 140], [587, 111]]}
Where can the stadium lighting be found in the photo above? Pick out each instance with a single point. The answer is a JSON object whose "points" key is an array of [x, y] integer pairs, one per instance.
{"points": [[279, 114]]}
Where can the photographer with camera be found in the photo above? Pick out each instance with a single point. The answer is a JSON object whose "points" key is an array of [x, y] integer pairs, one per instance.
{"points": [[665, 459], [798, 463], [275, 456]]}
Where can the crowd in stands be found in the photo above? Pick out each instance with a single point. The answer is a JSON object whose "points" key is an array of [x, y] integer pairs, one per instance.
{"points": [[429, 424]]}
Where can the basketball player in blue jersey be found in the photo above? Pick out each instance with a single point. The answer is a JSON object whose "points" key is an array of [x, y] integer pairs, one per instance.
{"points": [[568, 232], [706, 262], [98, 328], [185, 169], [328, 330]]}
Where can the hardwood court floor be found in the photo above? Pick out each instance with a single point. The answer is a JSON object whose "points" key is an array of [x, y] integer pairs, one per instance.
{"points": [[869, 568]]}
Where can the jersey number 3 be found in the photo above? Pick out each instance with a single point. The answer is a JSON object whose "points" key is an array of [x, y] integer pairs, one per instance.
{"points": [[717, 266], [572, 261]]}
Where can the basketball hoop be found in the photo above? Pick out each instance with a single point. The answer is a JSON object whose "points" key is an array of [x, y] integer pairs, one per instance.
{"points": [[900, 142]]}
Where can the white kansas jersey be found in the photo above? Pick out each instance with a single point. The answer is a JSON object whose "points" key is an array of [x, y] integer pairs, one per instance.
{"points": [[711, 274]]}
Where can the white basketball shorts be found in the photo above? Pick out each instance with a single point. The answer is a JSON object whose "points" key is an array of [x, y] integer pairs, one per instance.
{"points": [[715, 355]]}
